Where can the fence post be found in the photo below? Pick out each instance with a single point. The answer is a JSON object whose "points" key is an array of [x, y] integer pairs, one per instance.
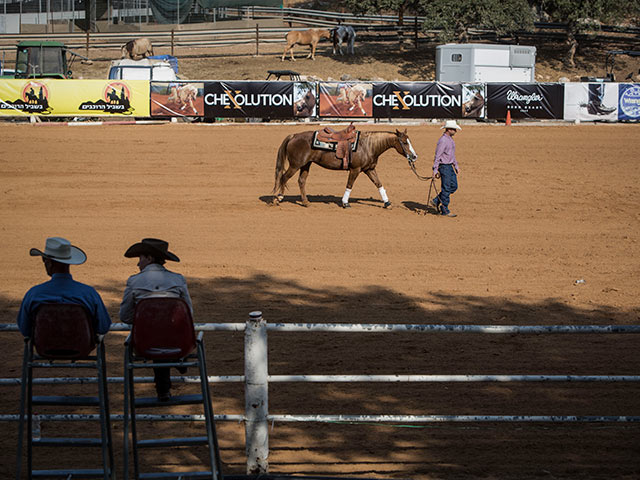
{"points": [[257, 39], [172, 35], [256, 395], [87, 52]]}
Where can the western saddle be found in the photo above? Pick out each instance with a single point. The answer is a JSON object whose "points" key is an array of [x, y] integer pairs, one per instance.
{"points": [[343, 139]]}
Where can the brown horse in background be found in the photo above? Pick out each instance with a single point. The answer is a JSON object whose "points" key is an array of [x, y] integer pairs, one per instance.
{"points": [[295, 153], [309, 37], [137, 49]]}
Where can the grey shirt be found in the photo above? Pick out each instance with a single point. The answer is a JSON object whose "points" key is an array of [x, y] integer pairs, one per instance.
{"points": [[153, 281]]}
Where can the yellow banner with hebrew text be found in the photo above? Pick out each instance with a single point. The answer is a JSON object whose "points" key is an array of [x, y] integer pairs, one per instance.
{"points": [[89, 98]]}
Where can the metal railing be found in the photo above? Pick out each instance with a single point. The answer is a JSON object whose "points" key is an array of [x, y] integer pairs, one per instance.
{"points": [[256, 378]]}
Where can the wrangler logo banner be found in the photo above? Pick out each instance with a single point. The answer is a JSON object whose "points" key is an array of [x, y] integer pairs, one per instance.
{"points": [[629, 101], [428, 100], [89, 98], [525, 100], [249, 99]]}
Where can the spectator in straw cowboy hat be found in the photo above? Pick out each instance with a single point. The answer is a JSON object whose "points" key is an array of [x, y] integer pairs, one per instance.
{"points": [[57, 257], [446, 168], [154, 280]]}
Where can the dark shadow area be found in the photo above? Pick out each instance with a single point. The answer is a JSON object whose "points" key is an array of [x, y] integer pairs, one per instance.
{"points": [[412, 61], [420, 208], [478, 450], [324, 199]]}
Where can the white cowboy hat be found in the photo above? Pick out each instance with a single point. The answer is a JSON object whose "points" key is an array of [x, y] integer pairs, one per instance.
{"points": [[60, 250], [451, 124]]}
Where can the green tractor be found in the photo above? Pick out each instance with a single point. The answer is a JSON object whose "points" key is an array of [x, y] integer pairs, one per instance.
{"points": [[44, 59]]}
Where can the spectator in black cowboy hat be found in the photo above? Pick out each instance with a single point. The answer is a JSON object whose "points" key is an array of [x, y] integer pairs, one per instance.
{"points": [[154, 280]]}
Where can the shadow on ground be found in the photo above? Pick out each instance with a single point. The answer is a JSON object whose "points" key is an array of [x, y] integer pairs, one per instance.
{"points": [[476, 450]]}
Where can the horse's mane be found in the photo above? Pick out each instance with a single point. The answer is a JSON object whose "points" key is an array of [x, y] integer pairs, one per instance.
{"points": [[379, 139]]}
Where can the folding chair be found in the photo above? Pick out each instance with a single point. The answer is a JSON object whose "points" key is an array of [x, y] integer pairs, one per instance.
{"points": [[163, 332], [63, 336]]}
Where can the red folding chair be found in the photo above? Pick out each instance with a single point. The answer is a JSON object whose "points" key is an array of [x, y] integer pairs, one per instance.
{"points": [[63, 336], [63, 331], [163, 331]]}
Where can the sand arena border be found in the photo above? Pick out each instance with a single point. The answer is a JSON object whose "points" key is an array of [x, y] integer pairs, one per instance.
{"points": [[538, 209]]}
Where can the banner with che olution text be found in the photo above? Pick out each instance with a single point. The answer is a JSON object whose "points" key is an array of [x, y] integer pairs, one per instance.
{"points": [[90, 98], [428, 100], [259, 99]]}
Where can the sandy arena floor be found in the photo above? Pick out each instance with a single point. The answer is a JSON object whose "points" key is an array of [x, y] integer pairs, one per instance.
{"points": [[539, 207]]}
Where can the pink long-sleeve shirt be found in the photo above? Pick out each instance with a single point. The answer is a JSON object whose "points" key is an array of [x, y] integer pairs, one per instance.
{"points": [[445, 153]]}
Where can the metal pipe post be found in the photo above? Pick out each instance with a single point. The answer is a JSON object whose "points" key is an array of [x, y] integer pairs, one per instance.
{"points": [[256, 395], [257, 39]]}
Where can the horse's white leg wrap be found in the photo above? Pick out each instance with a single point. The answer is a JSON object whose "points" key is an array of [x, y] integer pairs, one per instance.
{"points": [[383, 194], [345, 197]]}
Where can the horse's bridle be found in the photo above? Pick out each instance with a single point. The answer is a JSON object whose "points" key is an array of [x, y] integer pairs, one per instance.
{"points": [[407, 155], [412, 162]]}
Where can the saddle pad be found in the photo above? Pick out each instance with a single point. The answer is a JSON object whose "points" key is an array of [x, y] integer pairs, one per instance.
{"points": [[332, 146]]}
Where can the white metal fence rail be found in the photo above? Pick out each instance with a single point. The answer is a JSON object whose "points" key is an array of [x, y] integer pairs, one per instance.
{"points": [[256, 379]]}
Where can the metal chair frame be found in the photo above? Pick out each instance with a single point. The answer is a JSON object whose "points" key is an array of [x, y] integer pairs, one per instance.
{"points": [[31, 360], [133, 361]]}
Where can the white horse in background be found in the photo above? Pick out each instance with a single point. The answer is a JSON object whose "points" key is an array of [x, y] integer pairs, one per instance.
{"points": [[344, 33]]}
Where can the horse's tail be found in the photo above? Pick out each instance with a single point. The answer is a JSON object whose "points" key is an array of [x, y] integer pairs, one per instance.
{"points": [[282, 163]]}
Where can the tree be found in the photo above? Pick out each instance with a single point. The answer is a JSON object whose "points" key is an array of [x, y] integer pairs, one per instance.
{"points": [[581, 16], [377, 6], [453, 18], [399, 7]]}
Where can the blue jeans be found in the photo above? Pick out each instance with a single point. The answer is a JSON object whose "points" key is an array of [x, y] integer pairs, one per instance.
{"points": [[448, 185]]}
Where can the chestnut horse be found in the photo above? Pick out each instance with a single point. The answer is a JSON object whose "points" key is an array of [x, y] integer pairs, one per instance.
{"points": [[295, 153], [309, 37]]}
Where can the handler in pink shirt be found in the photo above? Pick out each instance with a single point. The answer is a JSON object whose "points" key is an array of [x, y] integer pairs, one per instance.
{"points": [[445, 167]]}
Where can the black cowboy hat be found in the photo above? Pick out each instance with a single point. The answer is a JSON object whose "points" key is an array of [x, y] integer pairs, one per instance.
{"points": [[151, 246]]}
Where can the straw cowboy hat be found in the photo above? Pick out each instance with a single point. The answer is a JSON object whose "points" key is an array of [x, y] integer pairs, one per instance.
{"points": [[451, 124], [153, 247], [60, 250]]}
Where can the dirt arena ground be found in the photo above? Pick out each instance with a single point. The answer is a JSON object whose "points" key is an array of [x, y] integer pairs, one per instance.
{"points": [[539, 207]]}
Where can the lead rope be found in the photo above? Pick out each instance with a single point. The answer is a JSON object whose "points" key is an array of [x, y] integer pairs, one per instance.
{"points": [[420, 177], [425, 179]]}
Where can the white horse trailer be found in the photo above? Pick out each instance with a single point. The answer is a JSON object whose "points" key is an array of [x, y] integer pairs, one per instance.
{"points": [[477, 62]]}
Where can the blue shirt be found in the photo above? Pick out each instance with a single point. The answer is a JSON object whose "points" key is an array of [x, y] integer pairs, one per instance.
{"points": [[445, 153], [62, 288]]}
